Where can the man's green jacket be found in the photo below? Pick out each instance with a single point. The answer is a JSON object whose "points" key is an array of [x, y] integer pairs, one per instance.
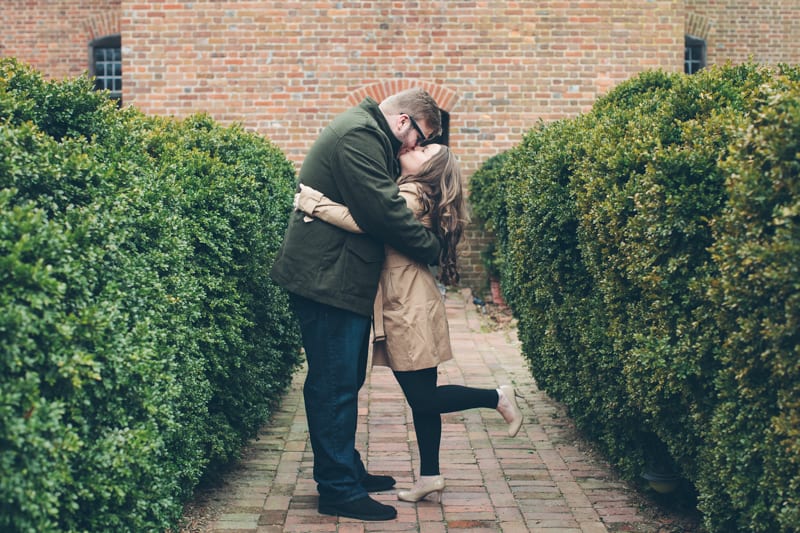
{"points": [[353, 162]]}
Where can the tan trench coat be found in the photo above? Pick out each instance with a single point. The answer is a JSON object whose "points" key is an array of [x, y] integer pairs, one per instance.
{"points": [[410, 321]]}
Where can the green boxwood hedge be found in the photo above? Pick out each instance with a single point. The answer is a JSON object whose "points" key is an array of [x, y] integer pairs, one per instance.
{"points": [[754, 430], [143, 342], [650, 252], [492, 211]]}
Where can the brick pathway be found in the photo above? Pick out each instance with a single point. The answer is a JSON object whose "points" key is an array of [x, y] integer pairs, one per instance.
{"points": [[539, 481]]}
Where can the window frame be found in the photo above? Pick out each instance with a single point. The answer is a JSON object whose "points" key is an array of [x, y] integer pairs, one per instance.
{"points": [[692, 61], [113, 43]]}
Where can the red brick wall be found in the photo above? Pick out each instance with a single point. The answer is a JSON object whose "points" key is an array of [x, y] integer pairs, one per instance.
{"points": [[766, 31], [285, 68], [54, 35]]}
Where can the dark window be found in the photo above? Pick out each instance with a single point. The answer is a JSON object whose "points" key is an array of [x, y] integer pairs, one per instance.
{"points": [[106, 65], [695, 55]]}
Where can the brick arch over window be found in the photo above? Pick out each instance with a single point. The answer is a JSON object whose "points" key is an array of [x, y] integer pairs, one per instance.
{"points": [[446, 98], [698, 26], [101, 25]]}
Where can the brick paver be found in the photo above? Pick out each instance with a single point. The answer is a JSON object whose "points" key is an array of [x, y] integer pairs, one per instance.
{"points": [[540, 481]]}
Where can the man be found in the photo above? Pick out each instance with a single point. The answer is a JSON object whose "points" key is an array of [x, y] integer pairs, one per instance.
{"points": [[332, 278]]}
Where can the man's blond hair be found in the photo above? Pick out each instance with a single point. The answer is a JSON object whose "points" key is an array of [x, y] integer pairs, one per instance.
{"points": [[417, 104]]}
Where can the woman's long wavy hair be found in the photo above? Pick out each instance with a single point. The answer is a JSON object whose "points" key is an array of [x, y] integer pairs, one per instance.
{"points": [[443, 198]]}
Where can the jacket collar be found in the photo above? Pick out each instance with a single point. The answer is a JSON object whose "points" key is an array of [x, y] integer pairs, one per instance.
{"points": [[371, 106]]}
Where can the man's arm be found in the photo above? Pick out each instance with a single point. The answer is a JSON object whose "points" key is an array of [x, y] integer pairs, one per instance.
{"points": [[370, 192]]}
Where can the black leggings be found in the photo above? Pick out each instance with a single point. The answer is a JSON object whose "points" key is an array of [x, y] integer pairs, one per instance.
{"points": [[428, 402]]}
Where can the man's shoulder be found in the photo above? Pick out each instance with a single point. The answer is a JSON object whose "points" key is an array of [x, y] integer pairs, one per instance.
{"points": [[356, 131], [360, 117]]}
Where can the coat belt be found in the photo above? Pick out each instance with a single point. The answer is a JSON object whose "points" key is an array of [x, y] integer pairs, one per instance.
{"points": [[377, 317]]}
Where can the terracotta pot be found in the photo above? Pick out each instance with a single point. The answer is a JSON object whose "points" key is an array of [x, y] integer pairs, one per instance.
{"points": [[497, 295]]}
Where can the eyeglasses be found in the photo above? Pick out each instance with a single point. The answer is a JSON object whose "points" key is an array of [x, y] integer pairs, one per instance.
{"points": [[422, 138]]}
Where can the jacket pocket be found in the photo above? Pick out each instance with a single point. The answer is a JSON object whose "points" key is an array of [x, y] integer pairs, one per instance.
{"points": [[363, 259]]}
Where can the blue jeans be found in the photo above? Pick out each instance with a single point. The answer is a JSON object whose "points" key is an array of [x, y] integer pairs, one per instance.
{"points": [[336, 343]]}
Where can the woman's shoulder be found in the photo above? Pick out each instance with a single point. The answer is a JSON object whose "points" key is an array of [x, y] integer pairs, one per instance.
{"points": [[412, 192], [411, 187]]}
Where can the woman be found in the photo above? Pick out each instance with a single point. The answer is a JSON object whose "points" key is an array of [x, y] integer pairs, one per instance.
{"points": [[411, 333]]}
